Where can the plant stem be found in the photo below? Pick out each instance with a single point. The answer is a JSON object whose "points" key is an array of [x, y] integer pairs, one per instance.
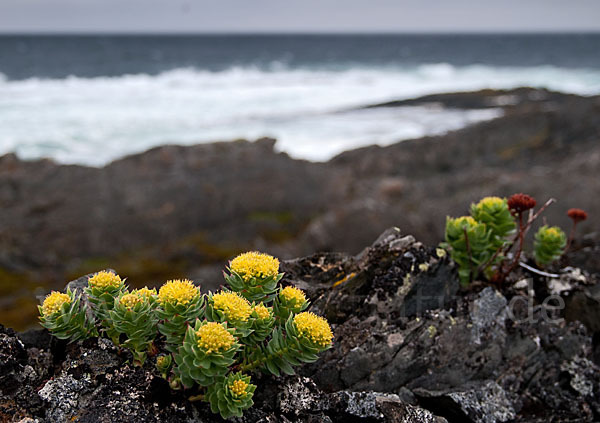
{"points": [[470, 255], [571, 236], [254, 364], [520, 236], [194, 398]]}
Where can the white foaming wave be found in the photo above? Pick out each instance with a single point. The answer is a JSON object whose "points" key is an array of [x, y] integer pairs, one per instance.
{"points": [[96, 120]]}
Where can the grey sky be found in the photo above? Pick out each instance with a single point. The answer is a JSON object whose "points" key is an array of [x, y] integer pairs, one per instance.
{"points": [[298, 15]]}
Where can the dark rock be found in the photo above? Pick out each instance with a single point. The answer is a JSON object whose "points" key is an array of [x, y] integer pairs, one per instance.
{"points": [[479, 355], [481, 99]]}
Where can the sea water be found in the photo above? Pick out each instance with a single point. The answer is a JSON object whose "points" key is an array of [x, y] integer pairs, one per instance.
{"points": [[94, 99]]}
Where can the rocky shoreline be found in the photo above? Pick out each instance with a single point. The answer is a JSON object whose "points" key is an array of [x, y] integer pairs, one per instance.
{"points": [[183, 211], [410, 345]]}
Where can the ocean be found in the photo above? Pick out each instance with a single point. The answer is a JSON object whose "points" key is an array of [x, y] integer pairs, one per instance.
{"points": [[93, 99]]}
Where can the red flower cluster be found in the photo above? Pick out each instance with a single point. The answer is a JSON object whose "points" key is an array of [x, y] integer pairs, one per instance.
{"points": [[577, 215], [521, 202]]}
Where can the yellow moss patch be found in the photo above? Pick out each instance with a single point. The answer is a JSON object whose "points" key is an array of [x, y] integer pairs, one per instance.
{"points": [[344, 279]]}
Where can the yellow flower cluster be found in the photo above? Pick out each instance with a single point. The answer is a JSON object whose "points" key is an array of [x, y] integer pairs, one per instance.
{"points": [[314, 328], [214, 337], [238, 388], [490, 202], [54, 301], [144, 293], [235, 307], [255, 265], [468, 220], [262, 311], [552, 231], [161, 361], [292, 293], [177, 292], [130, 300], [104, 280]]}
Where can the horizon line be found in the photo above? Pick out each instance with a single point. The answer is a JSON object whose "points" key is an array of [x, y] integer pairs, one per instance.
{"points": [[307, 33]]}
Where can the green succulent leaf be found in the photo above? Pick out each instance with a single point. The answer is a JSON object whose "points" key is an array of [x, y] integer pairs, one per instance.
{"points": [[209, 348], [549, 244], [137, 321], [495, 214], [175, 319], [70, 321], [229, 396], [471, 245]]}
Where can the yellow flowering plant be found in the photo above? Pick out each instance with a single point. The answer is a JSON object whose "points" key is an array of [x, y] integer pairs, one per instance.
{"points": [[231, 395], [133, 316], [103, 287], [206, 342], [262, 321], [289, 300], [254, 275], [231, 307], [549, 244], [163, 364], [63, 315], [253, 326], [179, 304]]}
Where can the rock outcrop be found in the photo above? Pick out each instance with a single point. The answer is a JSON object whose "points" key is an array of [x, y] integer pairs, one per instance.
{"points": [[411, 345]]}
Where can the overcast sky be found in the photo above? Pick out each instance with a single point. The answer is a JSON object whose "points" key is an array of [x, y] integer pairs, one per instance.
{"points": [[298, 15]]}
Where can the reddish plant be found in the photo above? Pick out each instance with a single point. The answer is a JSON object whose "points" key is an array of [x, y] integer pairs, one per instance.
{"points": [[577, 215], [518, 203]]}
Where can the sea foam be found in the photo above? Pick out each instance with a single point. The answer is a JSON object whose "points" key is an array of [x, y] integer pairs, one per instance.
{"points": [[312, 112]]}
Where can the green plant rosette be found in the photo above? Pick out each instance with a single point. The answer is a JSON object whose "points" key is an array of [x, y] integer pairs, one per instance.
{"points": [[497, 217], [287, 348], [175, 319], [549, 244], [480, 246], [102, 300], [70, 321], [227, 403], [253, 289], [283, 308], [138, 324], [261, 328], [196, 365], [163, 364]]}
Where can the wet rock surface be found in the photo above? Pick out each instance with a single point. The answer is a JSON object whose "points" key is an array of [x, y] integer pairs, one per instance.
{"points": [[472, 355]]}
